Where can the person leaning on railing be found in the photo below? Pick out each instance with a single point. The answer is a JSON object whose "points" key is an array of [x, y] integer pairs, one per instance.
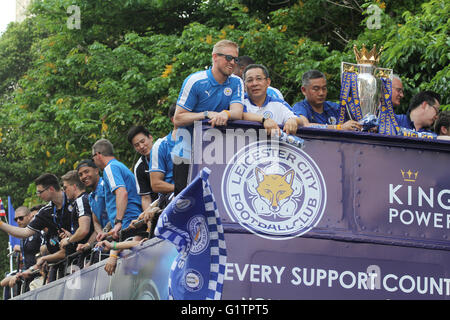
{"points": [[316, 109], [215, 94], [147, 217]]}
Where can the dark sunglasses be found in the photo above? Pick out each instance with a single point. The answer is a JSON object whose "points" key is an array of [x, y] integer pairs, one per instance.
{"points": [[19, 218], [228, 57]]}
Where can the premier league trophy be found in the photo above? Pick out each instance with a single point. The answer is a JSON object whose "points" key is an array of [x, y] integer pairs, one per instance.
{"points": [[366, 92]]}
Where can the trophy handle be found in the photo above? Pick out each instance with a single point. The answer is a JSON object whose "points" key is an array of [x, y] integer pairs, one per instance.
{"points": [[384, 73], [348, 67]]}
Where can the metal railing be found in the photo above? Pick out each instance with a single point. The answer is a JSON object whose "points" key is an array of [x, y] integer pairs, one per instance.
{"points": [[90, 254]]}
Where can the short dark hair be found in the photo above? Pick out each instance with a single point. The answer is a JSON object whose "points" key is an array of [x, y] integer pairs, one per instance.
{"points": [[254, 66], [134, 130], [442, 121], [429, 97], [311, 74], [172, 109], [86, 163], [48, 180], [245, 61]]}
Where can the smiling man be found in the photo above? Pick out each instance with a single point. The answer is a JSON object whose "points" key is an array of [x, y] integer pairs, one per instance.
{"points": [[142, 141], [89, 175], [397, 90], [422, 112], [259, 106], [215, 94]]}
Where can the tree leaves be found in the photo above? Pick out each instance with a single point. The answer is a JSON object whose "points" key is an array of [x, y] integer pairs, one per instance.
{"points": [[126, 64]]}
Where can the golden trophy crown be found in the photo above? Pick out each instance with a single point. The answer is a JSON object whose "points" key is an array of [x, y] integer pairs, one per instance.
{"points": [[367, 57]]}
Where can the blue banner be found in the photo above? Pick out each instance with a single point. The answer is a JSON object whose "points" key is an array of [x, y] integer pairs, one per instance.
{"points": [[11, 214], [191, 222], [349, 97], [387, 122]]}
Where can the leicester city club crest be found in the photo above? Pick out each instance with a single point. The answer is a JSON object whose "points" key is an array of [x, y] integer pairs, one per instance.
{"points": [[275, 191]]}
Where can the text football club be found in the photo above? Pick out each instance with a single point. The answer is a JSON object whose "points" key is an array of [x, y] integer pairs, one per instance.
{"points": [[276, 191]]}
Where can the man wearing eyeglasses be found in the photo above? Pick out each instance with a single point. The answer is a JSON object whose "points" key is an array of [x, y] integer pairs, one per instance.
{"points": [[54, 217], [423, 111], [315, 108], [245, 61], [397, 90], [215, 94], [261, 107]]}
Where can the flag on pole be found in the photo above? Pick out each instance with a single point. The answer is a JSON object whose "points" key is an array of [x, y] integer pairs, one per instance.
{"points": [[191, 222], [11, 214], [2, 209]]}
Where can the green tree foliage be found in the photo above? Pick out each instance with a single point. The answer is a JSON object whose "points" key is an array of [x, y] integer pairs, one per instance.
{"points": [[63, 88]]}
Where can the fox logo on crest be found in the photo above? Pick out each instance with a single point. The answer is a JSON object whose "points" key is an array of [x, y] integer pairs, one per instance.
{"points": [[276, 192], [274, 187]]}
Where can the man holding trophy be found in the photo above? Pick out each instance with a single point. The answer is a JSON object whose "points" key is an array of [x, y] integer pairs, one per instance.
{"points": [[315, 108]]}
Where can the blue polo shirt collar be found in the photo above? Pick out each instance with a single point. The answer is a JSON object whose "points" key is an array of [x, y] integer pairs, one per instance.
{"points": [[410, 122], [110, 161], [213, 80], [324, 110]]}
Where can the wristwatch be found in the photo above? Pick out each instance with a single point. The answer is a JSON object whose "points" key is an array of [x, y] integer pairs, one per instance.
{"points": [[265, 117], [117, 221], [205, 114]]}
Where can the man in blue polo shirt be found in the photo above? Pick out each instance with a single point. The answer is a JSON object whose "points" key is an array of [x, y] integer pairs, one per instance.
{"points": [[90, 176], [315, 107], [423, 111], [123, 204], [215, 94]]}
